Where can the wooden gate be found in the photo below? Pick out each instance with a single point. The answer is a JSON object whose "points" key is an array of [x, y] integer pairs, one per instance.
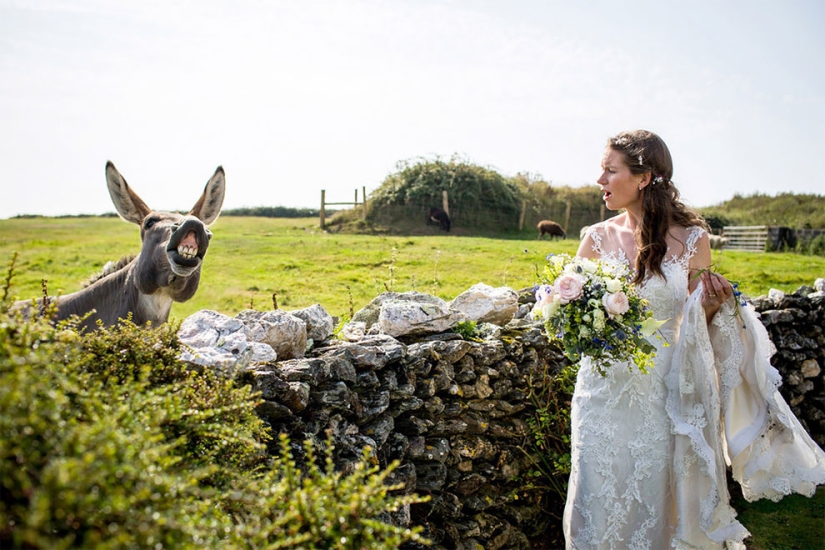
{"points": [[749, 238]]}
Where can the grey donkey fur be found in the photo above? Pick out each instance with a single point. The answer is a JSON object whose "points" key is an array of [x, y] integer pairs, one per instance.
{"points": [[167, 268]]}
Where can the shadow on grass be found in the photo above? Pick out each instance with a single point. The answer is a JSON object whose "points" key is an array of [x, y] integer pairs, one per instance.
{"points": [[794, 523]]}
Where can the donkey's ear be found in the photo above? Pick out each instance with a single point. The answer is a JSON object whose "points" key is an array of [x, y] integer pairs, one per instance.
{"points": [[130, 207], [209, 205]]}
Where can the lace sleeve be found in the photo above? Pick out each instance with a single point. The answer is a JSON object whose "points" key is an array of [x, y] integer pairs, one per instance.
{"points": [[694, 234], [771, 454], [705, 516]]}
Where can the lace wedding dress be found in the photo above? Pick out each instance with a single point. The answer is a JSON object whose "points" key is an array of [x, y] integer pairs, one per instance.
{"points": [[649, 451]]}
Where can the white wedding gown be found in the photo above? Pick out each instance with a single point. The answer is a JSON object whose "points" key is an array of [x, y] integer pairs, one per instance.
{"points": [[649, 451]]}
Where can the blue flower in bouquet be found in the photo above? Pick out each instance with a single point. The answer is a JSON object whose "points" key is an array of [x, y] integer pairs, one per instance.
{"points": [[592, 308]]}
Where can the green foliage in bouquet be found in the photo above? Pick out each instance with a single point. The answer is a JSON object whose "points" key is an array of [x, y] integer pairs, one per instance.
{"points": [[592, 308]]}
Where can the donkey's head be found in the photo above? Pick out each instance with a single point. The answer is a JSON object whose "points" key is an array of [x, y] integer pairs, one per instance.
{"points": [[174, 245]]}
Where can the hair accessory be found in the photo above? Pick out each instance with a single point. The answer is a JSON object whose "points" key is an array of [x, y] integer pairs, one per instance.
{"points": [[640, 160], [658, 179]]}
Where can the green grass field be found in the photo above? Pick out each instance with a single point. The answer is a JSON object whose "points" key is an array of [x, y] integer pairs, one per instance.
{"points": [[252, 258]]}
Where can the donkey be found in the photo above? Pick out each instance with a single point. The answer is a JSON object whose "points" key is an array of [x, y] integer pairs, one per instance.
{"points": [[167, 268], [551, 228]]}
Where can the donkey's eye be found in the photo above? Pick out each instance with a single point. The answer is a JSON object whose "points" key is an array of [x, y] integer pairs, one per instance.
{"points": [[150, 222]]}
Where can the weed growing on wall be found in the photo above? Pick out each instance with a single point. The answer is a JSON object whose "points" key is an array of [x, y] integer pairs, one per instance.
{"points": [[551, 393]]}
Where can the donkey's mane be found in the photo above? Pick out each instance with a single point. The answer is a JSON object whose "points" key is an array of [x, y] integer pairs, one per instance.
{"points": [[109, 268]]}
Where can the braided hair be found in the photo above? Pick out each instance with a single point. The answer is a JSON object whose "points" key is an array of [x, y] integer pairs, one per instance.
{"points": [[646, 152]]}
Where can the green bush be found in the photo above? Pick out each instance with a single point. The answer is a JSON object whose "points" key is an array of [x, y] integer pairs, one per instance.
{"points": [[783, 209], [551, 394], [479, 197], [812, 247], [108, 441]]}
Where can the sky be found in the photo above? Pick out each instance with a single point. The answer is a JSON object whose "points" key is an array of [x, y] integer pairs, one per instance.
{"points": [[292, 97]]}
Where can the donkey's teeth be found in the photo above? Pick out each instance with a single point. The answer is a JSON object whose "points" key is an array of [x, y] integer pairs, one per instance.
{"points": [[187, 252]]}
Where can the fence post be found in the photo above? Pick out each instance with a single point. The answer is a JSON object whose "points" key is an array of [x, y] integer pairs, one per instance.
{"points": [[445, 202], [567, 215], [323, 214], [521, 216], [364, 198]]}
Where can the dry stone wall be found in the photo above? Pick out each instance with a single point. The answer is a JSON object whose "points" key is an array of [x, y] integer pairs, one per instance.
{"points": [[454, 412], [451, 411], [796, 324]]}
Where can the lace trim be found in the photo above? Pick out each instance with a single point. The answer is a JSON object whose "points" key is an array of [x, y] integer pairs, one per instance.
{"points": [[772, 454]]}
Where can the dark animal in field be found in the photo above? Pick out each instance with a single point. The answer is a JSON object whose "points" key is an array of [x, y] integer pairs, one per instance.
{"points": [[167, 269], [438, 216], [547, 227]]}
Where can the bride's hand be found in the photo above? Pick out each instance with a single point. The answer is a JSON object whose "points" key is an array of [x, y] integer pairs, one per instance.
{"points": [[716, 290]]}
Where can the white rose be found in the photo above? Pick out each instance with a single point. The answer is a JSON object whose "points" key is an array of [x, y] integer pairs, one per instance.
{"points": [[550, 309], [613, 285], [589, 266]]}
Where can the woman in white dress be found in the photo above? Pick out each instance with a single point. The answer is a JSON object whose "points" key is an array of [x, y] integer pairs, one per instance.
{"points": [[649, 451]]}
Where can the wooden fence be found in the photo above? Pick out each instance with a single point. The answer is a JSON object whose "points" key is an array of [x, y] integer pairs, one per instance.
{"points": [[749, 238], [324, 204]]}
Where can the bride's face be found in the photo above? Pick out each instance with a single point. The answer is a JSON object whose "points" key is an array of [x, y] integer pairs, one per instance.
{"points": [[620, 187]]}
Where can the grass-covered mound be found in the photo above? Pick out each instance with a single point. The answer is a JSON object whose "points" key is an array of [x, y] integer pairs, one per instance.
{"points": [[108, 441], [479, 198]]}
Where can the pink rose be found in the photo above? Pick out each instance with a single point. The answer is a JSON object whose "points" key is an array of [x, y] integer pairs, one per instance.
{"points": [[569, 287], [615, 303]]}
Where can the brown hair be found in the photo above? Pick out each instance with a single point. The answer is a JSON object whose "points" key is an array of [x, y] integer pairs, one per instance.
{"points": [[646, 152]]}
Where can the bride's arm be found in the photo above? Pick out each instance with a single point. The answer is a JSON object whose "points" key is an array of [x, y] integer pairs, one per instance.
{"points": [[715, 289]]}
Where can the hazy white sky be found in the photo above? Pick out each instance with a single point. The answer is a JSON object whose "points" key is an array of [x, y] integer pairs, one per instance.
{"points": [[295, 97]]}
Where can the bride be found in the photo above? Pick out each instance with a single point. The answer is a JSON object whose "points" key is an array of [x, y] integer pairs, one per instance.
{"points": [[649, 451]]}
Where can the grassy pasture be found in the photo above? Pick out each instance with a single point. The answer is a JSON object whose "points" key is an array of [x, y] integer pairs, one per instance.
{"points": [[249, 259], [252, 258]]}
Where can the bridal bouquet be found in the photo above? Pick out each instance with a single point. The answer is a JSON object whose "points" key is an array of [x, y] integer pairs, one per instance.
{"points": [[592, 308]]}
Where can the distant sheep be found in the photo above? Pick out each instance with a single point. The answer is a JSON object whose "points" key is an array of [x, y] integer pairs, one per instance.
{"points": [[551, 228], [583, 232], [717, 242], [440, 217]]}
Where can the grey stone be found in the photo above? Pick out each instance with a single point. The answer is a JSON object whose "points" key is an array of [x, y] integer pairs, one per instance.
{"points": [[217, 341], [406, 318], [485, 304], [283, 332], [370, 313], [810, 368], [319, 323]]}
